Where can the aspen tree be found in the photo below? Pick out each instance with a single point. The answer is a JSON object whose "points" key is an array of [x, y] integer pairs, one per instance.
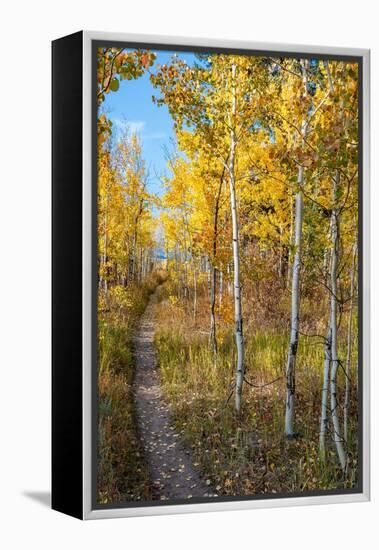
{"points": [[295, 292], [349, 347], [337, 434], [235, 235]]}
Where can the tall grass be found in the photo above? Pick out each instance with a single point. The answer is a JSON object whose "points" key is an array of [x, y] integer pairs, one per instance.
{"points": [[248, 454], [122, 473]]}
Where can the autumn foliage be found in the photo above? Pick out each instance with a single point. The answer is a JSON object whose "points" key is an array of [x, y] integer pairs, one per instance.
{"points": [[256, 232]]}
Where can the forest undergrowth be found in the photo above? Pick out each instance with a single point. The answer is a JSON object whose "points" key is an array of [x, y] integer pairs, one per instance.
{"points": [[122, 469], [248, 453]]}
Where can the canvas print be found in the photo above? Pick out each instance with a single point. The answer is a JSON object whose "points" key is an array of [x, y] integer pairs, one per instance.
{"points": [[228, 275]]}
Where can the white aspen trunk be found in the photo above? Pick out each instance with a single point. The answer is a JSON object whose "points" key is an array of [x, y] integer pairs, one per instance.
{"points": [[132, 258], [213, 314], [236, 254], [140, 265], [212, 298], [326, 376], [143, 265], [290, 247], [294, 338], [214, 270], [337, 436], [209, 276], [325, 266], [295, 301], [324, 396], [349, 348], [327, 258]]}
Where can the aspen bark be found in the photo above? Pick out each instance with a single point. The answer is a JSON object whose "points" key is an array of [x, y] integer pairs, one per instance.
{"points": [[213, 272], [132, 258], [349, 349], [294, 338], [295, 292], [289, 271], [140, 267], [337, 436], [324, 396], [295, 301], [213, 313], [212, 301], [326, 374], [236, 252]]}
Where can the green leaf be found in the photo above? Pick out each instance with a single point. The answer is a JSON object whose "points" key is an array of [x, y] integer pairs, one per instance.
{"points": [[114, 85]]}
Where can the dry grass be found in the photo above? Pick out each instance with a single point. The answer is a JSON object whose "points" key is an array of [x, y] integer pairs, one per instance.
{"points": [[122, 470], [248, 454]]}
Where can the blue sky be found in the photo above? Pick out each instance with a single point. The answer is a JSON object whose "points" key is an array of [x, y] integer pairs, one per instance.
{"points": [[132, 105]]}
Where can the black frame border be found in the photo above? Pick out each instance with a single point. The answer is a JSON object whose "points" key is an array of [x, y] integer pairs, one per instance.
{"points": [[67, 270]]}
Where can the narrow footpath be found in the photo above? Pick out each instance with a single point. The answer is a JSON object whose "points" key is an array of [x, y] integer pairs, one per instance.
{"points": [[170, 466]]}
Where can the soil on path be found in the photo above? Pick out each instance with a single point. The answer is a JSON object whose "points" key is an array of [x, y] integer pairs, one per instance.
{"points": [[170, 466]]}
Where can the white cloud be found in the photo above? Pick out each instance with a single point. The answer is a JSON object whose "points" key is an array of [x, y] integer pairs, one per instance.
{"points": [[139, 127], [134, 126]]}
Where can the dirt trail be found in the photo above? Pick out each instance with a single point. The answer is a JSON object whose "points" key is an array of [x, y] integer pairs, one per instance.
{"points": [[171, 470]]}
